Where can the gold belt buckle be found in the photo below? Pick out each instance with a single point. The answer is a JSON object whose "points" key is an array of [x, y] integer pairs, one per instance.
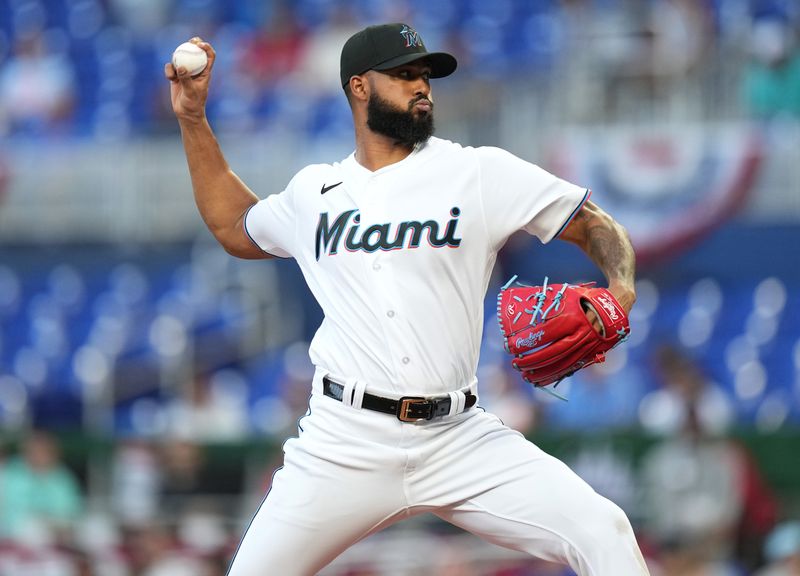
{"points": [[405, 405]]}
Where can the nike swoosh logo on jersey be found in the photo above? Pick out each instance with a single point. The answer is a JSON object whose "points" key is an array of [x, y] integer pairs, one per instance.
{"points": [[326, 188]]}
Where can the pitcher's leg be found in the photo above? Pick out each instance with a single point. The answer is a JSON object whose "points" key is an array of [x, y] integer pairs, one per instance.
{"points": [[332, 491], [584, 530], [310, 517], [527, 500]]}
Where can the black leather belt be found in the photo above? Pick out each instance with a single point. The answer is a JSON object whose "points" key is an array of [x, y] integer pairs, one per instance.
{"points": [[407, 408]]}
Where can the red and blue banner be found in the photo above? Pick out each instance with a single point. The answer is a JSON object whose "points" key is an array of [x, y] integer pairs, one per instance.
{"points": [[668, 186]]}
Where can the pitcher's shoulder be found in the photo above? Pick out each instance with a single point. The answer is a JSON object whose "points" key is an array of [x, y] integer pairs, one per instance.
{"points": [[315, 177], [437, 146]]}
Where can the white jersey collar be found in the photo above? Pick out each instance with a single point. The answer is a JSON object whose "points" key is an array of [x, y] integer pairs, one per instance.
{"points": [[352, 164]]}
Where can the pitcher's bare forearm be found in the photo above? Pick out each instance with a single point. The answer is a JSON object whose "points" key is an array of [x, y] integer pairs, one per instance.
{"points": [[221, 197], [608, 245]]}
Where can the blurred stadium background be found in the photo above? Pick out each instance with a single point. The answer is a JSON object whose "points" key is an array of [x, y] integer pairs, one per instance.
{"points": [[147, 379]]}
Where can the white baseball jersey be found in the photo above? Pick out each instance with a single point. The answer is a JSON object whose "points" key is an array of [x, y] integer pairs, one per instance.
{"points": [[400, 258]]}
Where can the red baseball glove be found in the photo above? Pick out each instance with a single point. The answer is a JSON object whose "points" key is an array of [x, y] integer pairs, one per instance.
{"points": [[547, 330]]}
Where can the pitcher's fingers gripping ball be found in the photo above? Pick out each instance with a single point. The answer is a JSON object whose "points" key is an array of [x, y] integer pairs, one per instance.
{"points": [[548, 333], [191, 57]]}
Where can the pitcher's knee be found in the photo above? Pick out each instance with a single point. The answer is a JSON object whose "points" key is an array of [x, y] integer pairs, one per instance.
{"points": [[609, 523], [599, 527], [607, 543]]}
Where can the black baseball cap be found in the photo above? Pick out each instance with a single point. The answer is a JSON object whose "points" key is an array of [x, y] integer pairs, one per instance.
{"points": [[388, 45]]}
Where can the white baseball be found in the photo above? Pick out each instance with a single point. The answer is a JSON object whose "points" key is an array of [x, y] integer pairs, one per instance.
{"points": [[191, 57]]}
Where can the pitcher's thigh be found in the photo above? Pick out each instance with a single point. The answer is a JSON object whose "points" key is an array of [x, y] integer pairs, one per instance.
{"points": [[541, 507], [308, 519]]}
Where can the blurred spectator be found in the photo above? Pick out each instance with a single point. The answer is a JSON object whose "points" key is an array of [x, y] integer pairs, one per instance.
{"points": [[682, 36], [771, 83], [578, 66], [704, 493], [143, 17], [153, 550], [759, 510], [266, 60], [622, 54], [692, 494], [37, 490], [212, 408], [275, 50], [318, 69], [782, 551], [207, 539], [37, 88], [188, 483], [182, 467], [650, 50], [309, 96], [684, 387], [135, 482]]}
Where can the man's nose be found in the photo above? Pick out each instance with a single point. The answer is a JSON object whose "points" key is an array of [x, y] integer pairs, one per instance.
{"points": [[421, 86]]}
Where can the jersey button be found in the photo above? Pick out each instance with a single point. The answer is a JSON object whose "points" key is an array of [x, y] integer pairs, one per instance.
{"points": [[390, 313], [376, 266], [406, 359]]}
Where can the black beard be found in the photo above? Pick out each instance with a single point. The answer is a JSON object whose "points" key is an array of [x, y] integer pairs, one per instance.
{"points": [[399, 125]]}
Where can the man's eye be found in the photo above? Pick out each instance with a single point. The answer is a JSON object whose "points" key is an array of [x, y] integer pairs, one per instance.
{"points": [[411, 74]]}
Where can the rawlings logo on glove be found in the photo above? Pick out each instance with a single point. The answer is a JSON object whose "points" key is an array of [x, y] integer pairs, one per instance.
{"points": [[547, 331]]}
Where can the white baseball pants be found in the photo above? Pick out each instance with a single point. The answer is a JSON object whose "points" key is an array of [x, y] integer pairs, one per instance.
{"points": [[352, 472]]}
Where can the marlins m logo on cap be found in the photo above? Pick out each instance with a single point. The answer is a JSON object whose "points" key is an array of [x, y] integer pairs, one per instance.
{"points": [[411, 36]]}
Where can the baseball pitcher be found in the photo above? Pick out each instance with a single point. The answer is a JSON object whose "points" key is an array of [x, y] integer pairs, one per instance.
{"points": [[397, 243]]}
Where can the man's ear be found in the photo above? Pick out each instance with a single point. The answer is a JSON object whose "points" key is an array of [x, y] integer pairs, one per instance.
{"points": [[359, 88]]}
